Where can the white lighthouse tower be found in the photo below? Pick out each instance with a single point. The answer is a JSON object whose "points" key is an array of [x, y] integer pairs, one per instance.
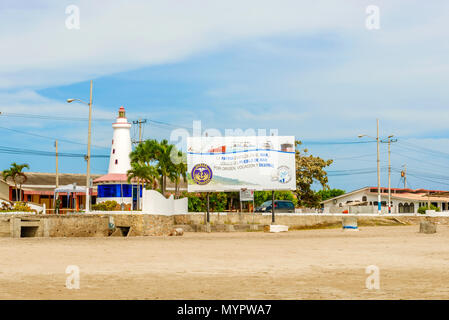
{"points": [[115, 186], [119, 161]]}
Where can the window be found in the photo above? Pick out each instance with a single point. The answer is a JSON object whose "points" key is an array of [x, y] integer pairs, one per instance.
{"points": [[364, 198], [116, 161], [412, 208], [406, 208], [114, 190], [112, 141], [113, 151]]}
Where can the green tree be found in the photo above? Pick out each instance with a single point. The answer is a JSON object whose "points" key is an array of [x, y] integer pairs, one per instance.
{"points": [[16, 174], [422, 210], [179, 169], [197, 202], [330, 193], [162, 161], [262, 196], [309, 170]]}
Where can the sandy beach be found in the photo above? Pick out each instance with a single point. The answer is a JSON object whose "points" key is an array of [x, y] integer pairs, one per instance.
{"points": [[308, 264]]}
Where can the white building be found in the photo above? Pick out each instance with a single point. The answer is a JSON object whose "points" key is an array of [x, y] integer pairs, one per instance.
{"points": [[115, 185], [364, 200]]}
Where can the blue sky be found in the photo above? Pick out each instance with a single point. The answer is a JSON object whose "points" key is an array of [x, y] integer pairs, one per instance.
{"points": [[309, 70]]}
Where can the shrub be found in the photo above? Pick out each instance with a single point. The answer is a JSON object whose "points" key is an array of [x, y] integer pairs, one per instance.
{"points": [[21, 206], [109, 205], [198, 201], [262, 196], [422, 210]]}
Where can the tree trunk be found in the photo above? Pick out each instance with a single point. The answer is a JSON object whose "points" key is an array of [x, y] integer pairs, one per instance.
{"points": [[20, 193]]}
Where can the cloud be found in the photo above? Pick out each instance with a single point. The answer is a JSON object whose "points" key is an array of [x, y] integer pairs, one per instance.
{"points": [[122, 35]]}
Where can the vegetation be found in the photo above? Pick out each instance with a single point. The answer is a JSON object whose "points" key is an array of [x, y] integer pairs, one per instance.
{"points": [[330, 193], [309, 170], [262, 196], [154, 162], [422, 210], [17, 207], [198, 201], [17, 176], [109, 205]]}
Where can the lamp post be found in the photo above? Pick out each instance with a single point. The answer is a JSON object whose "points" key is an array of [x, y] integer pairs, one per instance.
{"points": [[88, 146], [379, 205]]}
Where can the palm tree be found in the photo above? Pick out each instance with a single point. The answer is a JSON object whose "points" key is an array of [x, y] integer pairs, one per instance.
{"points": [[144, 175], [180, 171], [16, 174], [161, 159], [165, 165]]}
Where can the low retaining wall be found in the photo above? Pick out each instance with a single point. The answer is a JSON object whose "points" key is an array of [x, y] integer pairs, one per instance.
{"points": [[299, 221], [82, 225], [141, 224]]}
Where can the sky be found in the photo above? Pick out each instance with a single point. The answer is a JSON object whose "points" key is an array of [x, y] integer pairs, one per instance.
{"points": [[311, 69]]}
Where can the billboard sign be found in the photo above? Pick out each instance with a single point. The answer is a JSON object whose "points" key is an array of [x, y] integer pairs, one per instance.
{"points": [[234, 163]]}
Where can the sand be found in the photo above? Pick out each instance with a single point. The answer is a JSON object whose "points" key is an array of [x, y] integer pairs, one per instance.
{"points": [[308, 264]]}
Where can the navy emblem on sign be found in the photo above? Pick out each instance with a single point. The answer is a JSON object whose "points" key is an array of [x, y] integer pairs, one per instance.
{"points": [[201, 174]]}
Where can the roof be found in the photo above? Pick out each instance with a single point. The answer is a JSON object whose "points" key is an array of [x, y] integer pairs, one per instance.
{"points": [[402, 193], [43, 179], [112, 177], [122, 177]]}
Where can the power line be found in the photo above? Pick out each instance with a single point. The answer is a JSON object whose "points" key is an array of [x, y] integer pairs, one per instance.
{"points": [[50, 138], [10, 150]]}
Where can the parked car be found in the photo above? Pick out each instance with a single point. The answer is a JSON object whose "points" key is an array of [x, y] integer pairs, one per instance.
{"points": [[283, 206]]}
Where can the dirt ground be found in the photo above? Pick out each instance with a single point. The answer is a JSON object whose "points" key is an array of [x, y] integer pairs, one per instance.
{"points": [[309, 264]]}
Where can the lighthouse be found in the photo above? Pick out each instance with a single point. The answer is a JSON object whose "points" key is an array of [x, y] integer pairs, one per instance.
{"points": [[119, 162], [115, 186]]}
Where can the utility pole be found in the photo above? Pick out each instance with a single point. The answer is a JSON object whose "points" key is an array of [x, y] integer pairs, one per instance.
{"points": [[57, 171], [405, 176], [379, 204], [139, 122], [88, 152], [389, 141]]}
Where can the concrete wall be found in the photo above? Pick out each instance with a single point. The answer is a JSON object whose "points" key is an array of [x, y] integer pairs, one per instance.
{"points": [[154, 202], [102, 225], [299, 221], [82, 225]]}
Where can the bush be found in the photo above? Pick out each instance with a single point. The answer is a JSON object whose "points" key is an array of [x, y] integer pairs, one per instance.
{"points": [[262, 196], [18, 206], [109, 205], [198, 201], [422, 210], [21, 206]]}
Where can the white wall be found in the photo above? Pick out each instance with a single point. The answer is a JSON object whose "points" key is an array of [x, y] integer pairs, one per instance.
{"points": [[154, 202]]}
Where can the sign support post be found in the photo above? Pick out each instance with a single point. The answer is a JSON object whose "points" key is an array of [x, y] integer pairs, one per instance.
{"points": [[207, 213], [272, 206]]}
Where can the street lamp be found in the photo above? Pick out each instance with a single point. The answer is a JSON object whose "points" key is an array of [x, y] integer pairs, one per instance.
{"points": [[379, 205], [88, 146]]}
